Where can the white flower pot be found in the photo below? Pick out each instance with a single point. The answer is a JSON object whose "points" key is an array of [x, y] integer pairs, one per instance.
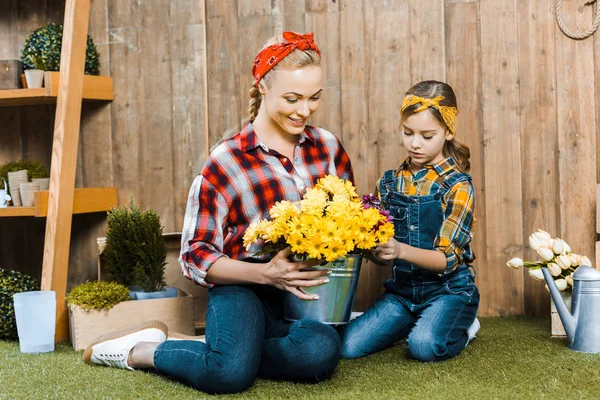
{"points": [[34, 78]]}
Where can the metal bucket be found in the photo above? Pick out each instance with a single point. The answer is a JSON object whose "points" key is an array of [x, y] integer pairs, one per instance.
{"points": [[336, 297]]}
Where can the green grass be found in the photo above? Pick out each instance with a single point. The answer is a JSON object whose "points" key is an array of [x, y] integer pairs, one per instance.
{"points": [[511, 358]]}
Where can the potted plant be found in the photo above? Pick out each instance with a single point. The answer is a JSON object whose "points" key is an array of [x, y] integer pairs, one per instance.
{"points": [[97, 295], [135, 253], [46, 43], [34, 76], [35, 169]]}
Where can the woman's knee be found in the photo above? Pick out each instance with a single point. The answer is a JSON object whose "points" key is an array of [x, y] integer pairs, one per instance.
{"points": [[425, 347], [220, 375], [321, 349]]}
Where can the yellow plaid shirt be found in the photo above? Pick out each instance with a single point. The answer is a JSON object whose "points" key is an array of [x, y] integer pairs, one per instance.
{"points": [[458, 207]]}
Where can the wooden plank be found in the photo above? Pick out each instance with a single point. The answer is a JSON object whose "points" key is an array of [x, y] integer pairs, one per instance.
{"points": [[354, 114], [224, 69], [426, 24], [598, 208], [323, 18], [17, 212], [537, 60], [190, 124], [576, 131], [94, 87], [463, 69], [155, 144], [126, 109], [288, 15], [253, 20], [502, 155], [387, 43], [64, 158], [85, 200]]}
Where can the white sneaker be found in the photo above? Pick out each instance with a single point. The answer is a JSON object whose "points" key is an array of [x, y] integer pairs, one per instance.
{"points": [[112, 349], [472, 331], [181, 336]]}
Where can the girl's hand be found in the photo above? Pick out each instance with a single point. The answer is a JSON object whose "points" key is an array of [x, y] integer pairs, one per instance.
{"points": [[287, 275], [388, 251]]}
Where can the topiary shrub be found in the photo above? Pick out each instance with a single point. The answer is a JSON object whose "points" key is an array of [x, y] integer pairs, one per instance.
{"points": [[35, 169], [135, 251], [12, 282], [98, 295], [46, 43]]}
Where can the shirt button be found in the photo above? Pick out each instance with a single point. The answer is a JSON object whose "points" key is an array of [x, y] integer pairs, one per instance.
{"points": [[296, 159], [284, 159], [412, 227]]}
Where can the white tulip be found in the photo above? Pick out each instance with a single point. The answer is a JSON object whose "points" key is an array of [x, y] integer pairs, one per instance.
{"points": [[569, 279], [574, 258], [563, 261], [583, 260], [515, 263], [536, 274], [543, 237], [543, 234], [534, 242], [566, 245], [545, 253], [557, 246], [561, 284], [554, 269]]}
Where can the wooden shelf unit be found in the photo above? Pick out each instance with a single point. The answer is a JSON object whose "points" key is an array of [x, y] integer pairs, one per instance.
{"points": [[67, 89], [98, 88], [85, 200]]}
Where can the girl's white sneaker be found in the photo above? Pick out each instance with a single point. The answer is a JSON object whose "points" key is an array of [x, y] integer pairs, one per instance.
{"points": [[473, 329], [112, 349]]}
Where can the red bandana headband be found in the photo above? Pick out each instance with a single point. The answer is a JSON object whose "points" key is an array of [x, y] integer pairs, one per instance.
{"points": [[271, 55]]}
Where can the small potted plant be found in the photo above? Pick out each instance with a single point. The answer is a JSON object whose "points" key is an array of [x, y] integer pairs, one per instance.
{"points": [[97, 295], [34, 76], [135, 253], [46, 42], [12, 282]]}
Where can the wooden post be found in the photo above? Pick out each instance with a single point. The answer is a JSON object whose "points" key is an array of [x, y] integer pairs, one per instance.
{"points": [[64, 158]]}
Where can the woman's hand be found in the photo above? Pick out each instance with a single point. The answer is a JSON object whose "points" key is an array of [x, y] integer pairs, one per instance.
{"points": [[287, 275], [388, 251]]}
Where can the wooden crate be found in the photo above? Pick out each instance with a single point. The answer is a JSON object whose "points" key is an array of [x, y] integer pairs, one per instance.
{"points": [[558, 329], [177, 313], [10, 74]]}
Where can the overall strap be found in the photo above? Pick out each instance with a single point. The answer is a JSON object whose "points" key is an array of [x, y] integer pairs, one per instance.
{"points": [[385, 185], [455, 177]]}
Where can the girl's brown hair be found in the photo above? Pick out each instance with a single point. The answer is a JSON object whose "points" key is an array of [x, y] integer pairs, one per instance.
{"points": [[429, 90], [296, 59]]}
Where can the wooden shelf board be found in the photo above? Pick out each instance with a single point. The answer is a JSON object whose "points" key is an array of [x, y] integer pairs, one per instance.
{"points": [[86, 200], [95, 88]]}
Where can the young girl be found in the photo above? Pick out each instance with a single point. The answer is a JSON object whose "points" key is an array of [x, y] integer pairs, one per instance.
{"points": [[275, 157], [432, 297]]}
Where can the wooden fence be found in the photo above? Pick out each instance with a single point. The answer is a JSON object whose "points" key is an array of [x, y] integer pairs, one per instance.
{"points": [[181, 69]]}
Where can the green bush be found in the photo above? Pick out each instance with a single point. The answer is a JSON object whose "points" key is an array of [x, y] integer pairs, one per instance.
{"points": [[98, 295], [35, 169], [46, 43], [12, 282], [135, 251]]}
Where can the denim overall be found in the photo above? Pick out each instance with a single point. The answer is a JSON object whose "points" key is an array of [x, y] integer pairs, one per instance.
{"points": [[433, 310]]}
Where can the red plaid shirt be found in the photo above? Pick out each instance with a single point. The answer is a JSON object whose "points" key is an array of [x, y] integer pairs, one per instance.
{"points": [[240, 182]]}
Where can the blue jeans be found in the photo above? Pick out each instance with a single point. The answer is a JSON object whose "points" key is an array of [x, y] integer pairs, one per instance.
{"points": [[435, 316], [247, 337]]}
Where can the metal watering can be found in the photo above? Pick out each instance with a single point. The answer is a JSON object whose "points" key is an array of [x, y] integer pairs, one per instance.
{"points": [[583, 326]]}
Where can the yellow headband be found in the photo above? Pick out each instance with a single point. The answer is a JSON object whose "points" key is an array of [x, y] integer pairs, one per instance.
{"points": [[448, 113]]}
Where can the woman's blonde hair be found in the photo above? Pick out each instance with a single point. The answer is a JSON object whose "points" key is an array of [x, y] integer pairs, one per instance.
{"points": [[296, 59], [430, 90]]}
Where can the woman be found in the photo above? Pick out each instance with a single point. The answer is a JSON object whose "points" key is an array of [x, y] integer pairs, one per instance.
{"points": [[275, 157]]}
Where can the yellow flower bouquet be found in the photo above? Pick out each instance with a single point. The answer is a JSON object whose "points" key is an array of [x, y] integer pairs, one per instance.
{"points": [[329, 222]]}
